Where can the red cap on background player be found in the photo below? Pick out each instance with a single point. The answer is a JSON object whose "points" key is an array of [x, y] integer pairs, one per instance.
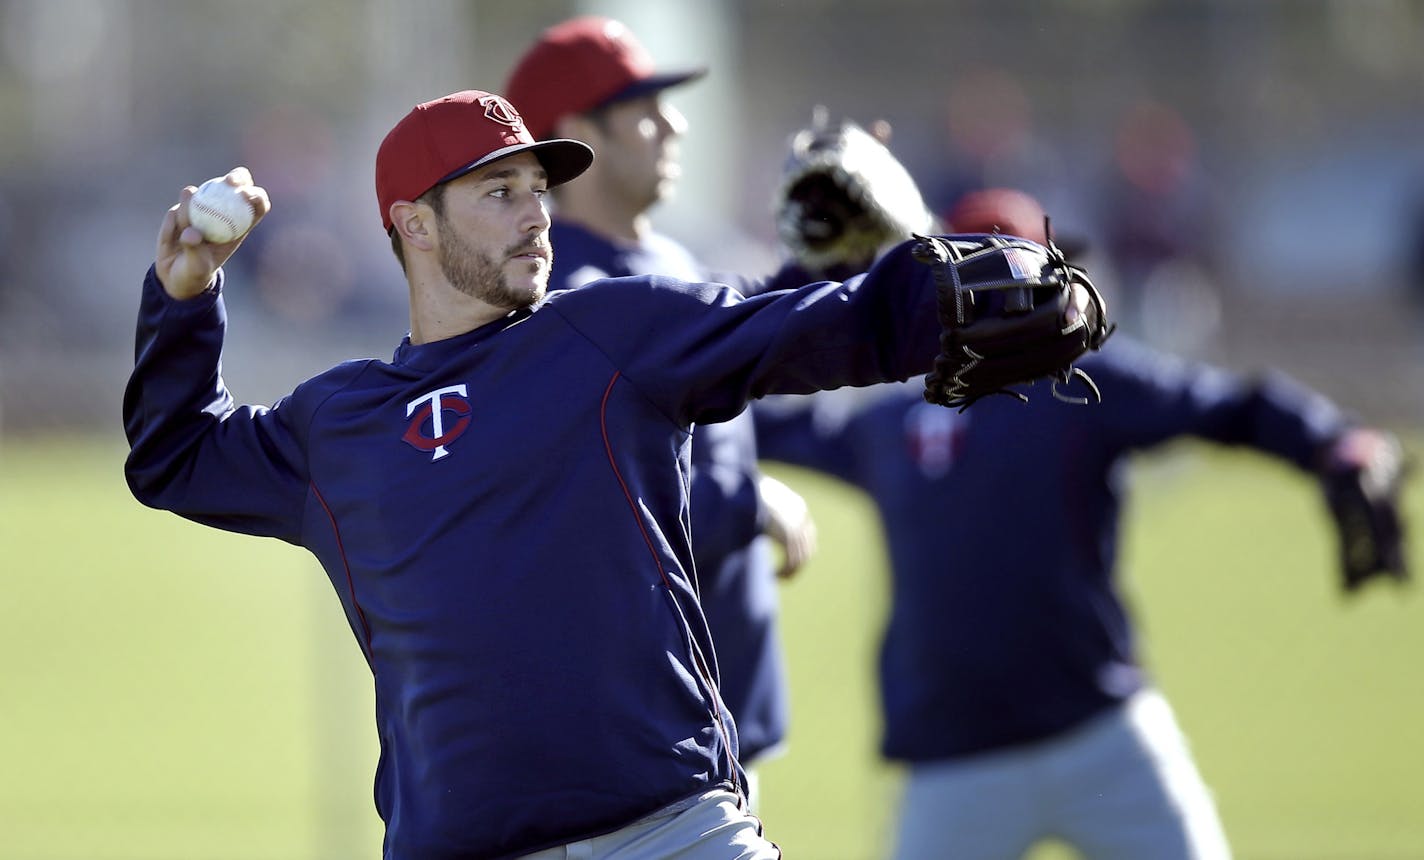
{"points": [[446, 138], [582, 64], [1009, 211], [998, 210]]}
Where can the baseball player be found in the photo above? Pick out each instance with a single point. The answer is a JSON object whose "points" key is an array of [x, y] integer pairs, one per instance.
{"points": [[590, 79], [1009, 679], [501, 506]]}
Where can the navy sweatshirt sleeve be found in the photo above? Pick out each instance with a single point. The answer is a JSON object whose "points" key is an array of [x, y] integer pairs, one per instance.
{"points": [[192, 450], [1150, 397], [877, 327]]}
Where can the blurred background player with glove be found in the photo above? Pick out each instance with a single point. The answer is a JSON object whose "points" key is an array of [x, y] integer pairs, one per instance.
{"points": [[844, 197], [589, 77], [1009, 677]]}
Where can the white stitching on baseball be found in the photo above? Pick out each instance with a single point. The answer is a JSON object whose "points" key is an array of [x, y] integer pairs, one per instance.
{"points": [[218, 214]]}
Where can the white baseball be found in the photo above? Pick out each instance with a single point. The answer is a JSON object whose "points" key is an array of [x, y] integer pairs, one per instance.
{"points": [[220, 212]]}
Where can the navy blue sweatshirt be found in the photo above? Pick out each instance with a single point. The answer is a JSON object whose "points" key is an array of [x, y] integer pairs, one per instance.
{"points": [[735, 568], [1001, 523], [504, 517]]}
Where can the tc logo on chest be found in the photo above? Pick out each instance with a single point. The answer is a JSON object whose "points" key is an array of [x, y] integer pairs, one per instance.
{"points": [[430, 430], [934, 437]]}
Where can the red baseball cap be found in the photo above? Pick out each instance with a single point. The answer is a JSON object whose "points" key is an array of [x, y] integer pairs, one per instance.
{"points": [[446, 138], [998, 210], [1010, 211], [581, 64]]}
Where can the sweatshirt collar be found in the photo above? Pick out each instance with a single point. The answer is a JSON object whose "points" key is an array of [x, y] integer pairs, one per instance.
{"points": [[435, 353]]}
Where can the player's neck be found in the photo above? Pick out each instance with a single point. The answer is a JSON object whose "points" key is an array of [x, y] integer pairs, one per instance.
{"points": [[439, 311], [627, 231], [603, 216]]}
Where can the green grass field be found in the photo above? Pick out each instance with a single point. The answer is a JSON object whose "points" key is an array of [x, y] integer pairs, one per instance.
{"points": [[168, 692]]}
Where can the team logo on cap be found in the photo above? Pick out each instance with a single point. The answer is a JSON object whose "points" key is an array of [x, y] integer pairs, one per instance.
{"points": [[430, 410], [501, 111]]}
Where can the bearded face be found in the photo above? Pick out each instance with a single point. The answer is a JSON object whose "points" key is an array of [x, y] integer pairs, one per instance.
{"points": [[483, 276]]}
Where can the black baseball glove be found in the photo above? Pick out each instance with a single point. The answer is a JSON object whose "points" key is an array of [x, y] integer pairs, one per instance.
{"points": [[843, 197], [1003, 308], [1362, 488]]}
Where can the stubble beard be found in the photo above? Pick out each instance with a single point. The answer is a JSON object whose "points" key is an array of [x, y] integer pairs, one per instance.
{"points": [[482, 277]]}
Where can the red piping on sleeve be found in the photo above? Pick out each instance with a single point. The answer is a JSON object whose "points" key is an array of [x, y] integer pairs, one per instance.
{"points": [[350, 583], [628, 495]]}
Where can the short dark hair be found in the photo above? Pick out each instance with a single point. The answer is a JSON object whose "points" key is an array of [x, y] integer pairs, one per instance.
{"points": [[435, 199]]}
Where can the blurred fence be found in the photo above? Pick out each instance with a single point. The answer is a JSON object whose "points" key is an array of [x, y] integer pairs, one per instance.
{"points": [[1257, 142]]}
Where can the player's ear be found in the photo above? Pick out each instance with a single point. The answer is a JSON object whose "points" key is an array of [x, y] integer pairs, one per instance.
{"points": [[415, 222]]}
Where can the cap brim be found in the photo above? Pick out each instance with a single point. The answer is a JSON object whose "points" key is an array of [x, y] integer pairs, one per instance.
{"points": [[563, 159], [655, 84]]}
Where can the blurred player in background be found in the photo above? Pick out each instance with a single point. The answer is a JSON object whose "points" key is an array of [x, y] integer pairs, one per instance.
{"points": [[590, 79], [1009, 678]]}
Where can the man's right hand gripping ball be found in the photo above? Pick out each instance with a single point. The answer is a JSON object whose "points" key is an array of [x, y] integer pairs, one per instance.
{"points": [[185, 262]]}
